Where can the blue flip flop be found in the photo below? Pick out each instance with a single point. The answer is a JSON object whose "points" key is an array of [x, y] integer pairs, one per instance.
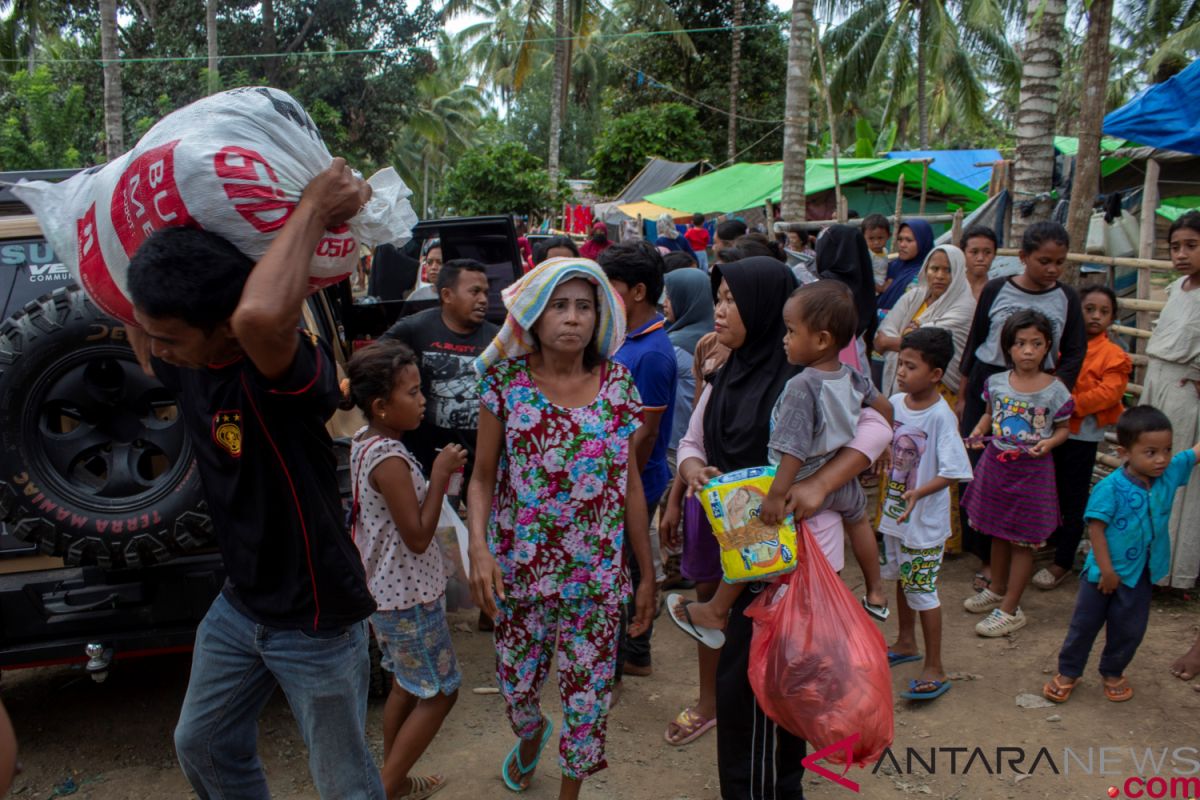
{"points": [[547, 730], [939, 689], [900, 658]]}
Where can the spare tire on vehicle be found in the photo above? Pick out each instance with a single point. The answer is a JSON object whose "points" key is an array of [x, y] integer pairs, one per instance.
{"points": [[95, 465]]}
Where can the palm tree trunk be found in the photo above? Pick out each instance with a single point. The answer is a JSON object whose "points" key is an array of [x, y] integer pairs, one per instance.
{"points": [[796, 111], [735, 75], [558, 92], [269, 41], [1096, 63], [210, 28], [114, 137], [1041, 72], [922, 89]]}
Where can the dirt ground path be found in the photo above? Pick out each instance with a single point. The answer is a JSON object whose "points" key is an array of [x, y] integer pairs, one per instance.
{"points": [[113, 740]]}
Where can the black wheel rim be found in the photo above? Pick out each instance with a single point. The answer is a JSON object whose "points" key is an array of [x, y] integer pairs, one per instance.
{"points": [[106, 436]]}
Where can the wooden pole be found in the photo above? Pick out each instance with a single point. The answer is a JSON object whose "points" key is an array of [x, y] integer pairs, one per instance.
{"points": [[924, 186], [817, 224], [956, 227], [899, 204], [1146, 250], [1151, 264]]}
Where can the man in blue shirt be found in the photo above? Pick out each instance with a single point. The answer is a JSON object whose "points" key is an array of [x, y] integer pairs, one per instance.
{"points": [[1127, 517], [635, 270]]}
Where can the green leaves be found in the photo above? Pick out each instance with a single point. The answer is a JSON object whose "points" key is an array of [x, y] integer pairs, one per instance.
{"points": [[667, 130], [499, 179]]}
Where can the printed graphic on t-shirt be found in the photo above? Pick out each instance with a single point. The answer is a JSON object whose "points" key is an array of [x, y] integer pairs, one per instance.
{"points": [[453, 389], [227, 431], [908, 445], [1019, 420]]}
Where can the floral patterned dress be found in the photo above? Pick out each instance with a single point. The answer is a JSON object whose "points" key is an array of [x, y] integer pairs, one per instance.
{"points": [[556, 530]]}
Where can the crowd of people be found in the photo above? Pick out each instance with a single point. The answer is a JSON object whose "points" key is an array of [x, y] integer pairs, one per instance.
{"points": [[623, 380]]}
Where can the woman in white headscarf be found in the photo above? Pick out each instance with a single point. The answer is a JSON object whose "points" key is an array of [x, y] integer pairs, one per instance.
{"points": [[670, 238], [941, 299]]}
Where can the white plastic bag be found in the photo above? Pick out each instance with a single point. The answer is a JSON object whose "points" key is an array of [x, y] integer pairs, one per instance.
{"points": [[233, 163], [452, 539]]}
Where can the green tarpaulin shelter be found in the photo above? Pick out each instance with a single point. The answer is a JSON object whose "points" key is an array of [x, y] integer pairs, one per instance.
{"points": [[1175, 207], [1069, 146], [742, 186]]}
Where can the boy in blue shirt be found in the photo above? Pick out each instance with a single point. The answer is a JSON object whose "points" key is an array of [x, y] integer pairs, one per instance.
{"points": [[635, 270], [1127, 516]]}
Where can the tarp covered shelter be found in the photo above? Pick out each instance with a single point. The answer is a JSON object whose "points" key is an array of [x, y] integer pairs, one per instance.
{"points": [[657, 175], [1173, 208], [743, 186], [1163, 115], [1069, 146], [958, 165]]}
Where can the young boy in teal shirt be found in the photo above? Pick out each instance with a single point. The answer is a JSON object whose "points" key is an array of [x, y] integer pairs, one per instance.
{"points": [[1127, 516]]}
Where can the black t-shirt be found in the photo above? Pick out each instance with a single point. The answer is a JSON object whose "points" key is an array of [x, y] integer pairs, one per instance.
{"points": [[270, 478], [448, 381]]}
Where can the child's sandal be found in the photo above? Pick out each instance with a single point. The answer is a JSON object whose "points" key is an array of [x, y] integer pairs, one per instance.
{"points": [[1058, 692], [1118, 692]]}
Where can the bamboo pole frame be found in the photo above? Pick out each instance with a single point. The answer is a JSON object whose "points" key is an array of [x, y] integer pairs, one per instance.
{"points": [[1152, 264], [784, 227]]}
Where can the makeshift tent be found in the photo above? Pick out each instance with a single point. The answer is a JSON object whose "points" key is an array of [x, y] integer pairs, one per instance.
{"points": [[1173, 208], [1162, 115], [657, 175], [743, 186], [1069, 146], [650, 211], [957, 165]]}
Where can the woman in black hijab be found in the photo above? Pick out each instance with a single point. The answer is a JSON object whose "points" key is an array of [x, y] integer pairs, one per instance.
{"points": [[842, 254], [755, 757]]}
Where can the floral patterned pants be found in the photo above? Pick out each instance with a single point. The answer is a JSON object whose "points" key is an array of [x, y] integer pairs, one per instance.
{"points": [[586, 631]]}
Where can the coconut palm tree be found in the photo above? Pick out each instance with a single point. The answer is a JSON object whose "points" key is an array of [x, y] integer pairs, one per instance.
{"points": [[1041, 74], [795, 113], [947, 49], [1164, 35], [114, 133], [210, 30]]}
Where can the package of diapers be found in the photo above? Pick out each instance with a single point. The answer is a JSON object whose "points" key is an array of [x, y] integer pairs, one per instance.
{"points": [[750, 550]]}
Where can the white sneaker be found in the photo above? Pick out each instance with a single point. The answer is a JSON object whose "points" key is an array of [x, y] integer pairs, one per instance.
{"points": [[983, 602], [998, 623]]}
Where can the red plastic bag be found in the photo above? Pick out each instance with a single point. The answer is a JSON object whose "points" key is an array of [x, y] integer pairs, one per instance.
{"points": [[818, 665]]}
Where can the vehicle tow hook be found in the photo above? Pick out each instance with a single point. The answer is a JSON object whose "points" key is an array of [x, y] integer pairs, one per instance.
{"points": [[99, 660]]}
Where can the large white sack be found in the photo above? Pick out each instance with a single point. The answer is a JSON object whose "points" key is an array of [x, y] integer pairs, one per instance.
{"points": [[233, 163]]}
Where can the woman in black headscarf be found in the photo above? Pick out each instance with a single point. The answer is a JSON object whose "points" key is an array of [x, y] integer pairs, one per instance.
{"points": [[843, 255], [729, 430]]}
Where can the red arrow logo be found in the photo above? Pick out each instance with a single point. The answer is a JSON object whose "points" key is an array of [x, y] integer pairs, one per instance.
{"points": [[845, 746]]}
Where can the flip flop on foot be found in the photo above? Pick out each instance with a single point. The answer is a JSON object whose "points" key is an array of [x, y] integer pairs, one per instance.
{"points": [[1118, 692], [925, 690], [1046, 580], [1057, 690], [902, 658], [980, 582], [709, 637], [687, 728], [423, 787], [879, 612], [514, 759]]}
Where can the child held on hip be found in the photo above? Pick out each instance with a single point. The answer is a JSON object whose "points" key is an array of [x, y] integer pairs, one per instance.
{"points": [[816, 415]]}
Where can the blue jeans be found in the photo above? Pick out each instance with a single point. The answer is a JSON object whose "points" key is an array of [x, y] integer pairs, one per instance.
{"points": [[236, 666]]}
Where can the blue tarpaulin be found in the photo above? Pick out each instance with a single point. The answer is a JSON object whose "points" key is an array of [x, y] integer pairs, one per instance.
{"points": [[957, 165], [1162, 116]]}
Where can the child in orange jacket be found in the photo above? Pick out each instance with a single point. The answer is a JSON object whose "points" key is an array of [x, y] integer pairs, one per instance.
{"points": [[1097, 395]]}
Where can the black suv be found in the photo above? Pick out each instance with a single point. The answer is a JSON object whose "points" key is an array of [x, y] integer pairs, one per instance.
{"points": [[106, 549]]}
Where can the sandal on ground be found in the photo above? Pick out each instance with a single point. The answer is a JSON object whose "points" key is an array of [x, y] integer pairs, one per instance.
{"points": [[689, 726], [980, 582], [880, 613], [423, 787], [1118, 692], [982, 602], [1044, 579], [709, 637], [1056, 691], [902, 658], [515, 754], [925, 690], [998, 623]]}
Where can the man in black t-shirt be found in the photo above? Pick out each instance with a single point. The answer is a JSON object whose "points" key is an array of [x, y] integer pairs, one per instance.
{"points": [[255, 393], [447, 340]]}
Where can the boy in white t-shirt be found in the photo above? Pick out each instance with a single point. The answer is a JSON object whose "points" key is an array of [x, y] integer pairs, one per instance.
{"points": [[927, 456]]}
